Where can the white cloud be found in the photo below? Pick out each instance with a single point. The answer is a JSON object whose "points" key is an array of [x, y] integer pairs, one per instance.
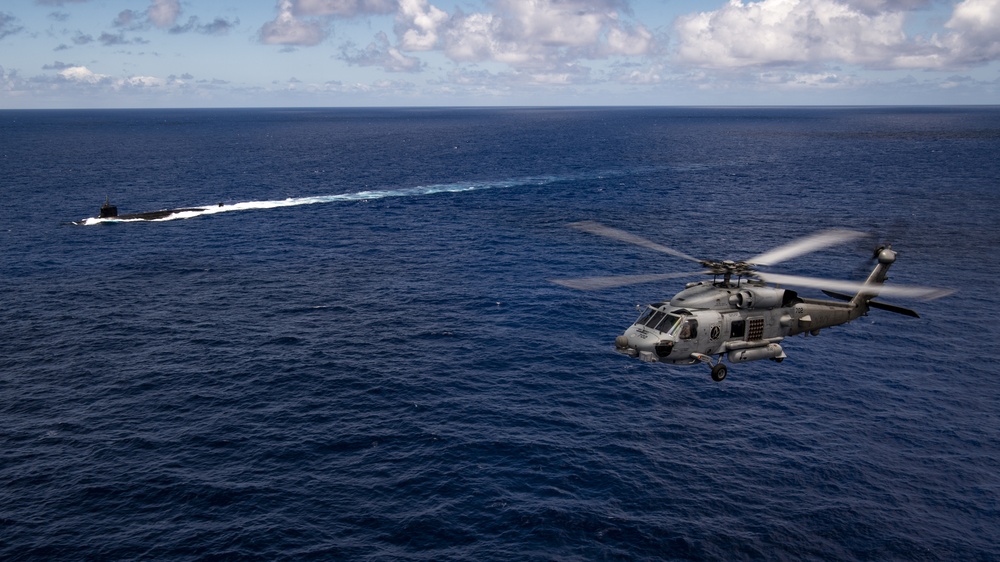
{"points": [[868, 33], [418, 24], [975, 37], [82, 74], [544, 33], [286, 29], [786, 32], [164, 13], [140, 82], [544, 40]]}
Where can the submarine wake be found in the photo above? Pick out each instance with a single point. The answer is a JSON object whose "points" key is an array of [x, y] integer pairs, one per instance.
{"points": [[191, 212]]}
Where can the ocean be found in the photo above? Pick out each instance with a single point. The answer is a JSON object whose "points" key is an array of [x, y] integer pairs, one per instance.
{"points": [[361, 353]]}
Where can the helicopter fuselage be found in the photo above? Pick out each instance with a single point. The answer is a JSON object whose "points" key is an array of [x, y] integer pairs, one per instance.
{"points": [[745, 321]]}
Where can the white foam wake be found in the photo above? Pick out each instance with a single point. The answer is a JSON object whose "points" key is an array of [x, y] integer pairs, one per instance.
{"points": [[343, 197]]}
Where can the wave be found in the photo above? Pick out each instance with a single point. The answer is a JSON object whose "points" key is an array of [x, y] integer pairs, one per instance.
{"points": [[191, 212]]}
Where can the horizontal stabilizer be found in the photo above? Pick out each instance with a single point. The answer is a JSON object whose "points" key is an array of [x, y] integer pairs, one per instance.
{"points": [[876, 304]]}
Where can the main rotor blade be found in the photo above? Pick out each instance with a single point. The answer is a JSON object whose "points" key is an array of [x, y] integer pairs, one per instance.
{"points": [[903, 291], [610, 282], [805, 245], [609, 232]]}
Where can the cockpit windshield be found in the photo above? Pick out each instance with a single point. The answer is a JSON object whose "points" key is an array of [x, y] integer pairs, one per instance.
{"points": [[658, 320]]}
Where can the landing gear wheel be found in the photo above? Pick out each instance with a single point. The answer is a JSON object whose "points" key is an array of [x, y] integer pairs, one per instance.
{"points": [[719, 372]]}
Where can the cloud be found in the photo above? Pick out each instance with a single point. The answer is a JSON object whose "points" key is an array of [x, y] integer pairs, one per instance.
{"points": [[130, 20], [113, 39], [218, 26], [544, 39], [164, 13], [286, 29], [380, 53], [57, 65], [342, 8], [83, 74], [8, 25], [140, 82], [975, 37], [783, 32], [297, 25], [545, 33], [418, 24], [867, 33]]}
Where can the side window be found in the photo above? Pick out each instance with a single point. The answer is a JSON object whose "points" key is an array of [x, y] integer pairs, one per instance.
{"points": [[689, 329], [739, 328]]}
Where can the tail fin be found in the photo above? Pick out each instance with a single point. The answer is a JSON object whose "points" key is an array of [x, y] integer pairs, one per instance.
{"points": [[863, 299], [886, 257]]}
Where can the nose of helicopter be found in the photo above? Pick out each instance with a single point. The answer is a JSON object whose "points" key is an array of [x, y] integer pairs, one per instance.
{"points": [[646, 346]]}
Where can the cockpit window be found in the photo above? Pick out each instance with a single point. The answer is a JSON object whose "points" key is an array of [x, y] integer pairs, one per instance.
{"points": [[668, 323], [645, 316], [655, 319], [658, 320]]}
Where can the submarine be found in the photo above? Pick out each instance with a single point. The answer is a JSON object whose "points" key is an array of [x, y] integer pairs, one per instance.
{"points": [[109, 211]]}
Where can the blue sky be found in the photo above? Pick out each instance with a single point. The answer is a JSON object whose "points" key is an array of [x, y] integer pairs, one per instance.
{"points": [[238, 53]]}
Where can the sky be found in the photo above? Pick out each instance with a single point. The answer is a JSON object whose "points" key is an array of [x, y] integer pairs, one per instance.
{"points": [[350, 53]]}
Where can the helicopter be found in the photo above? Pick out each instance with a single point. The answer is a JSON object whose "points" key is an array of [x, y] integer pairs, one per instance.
{"points": [[743, 314]]}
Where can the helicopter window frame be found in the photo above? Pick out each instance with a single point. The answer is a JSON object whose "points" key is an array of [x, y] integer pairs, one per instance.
{"points": [[645, 316], [666, 328], [655, 319]]}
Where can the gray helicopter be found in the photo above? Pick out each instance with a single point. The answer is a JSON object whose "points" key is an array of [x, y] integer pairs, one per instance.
{"points": [[737, 316]]}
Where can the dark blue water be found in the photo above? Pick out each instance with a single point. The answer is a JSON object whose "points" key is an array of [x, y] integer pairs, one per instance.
{"points": [[362, 357]]}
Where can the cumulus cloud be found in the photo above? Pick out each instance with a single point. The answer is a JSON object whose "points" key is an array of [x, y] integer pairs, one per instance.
{"points": [[83, 74], [868, 33], [544, 39], [545, 33], [975, 32], [418, 24], [304, 22], [787, 31], [287, 29]]}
